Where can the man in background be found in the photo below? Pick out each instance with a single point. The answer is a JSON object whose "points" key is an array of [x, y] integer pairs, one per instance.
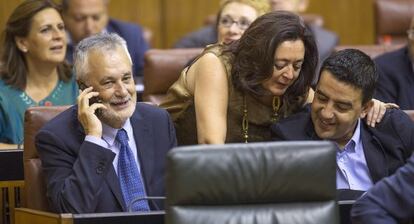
{"points": [[396, 74], [84, 18]]}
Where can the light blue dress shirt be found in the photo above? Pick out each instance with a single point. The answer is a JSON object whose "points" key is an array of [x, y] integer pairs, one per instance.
{"points": [[108, 141], [352, 170]]}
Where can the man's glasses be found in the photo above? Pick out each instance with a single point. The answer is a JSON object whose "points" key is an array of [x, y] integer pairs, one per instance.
{"points": [[410, 34], [226, 21]]}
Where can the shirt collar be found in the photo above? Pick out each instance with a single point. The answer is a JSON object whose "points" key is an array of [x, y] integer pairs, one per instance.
{"points": [[350, 146], [109, 133]]}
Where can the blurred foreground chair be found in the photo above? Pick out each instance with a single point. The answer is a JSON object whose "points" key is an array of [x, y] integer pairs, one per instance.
{"points": [[162, 68], [280, 182], [392, 20]]}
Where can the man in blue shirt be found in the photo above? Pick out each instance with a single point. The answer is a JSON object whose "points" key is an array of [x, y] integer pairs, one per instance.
{"points": [[108, 150], [84, 18], [342, 99]]}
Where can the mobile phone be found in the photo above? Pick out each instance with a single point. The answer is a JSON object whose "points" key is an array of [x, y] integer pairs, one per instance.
{"points": [[92, 100]]}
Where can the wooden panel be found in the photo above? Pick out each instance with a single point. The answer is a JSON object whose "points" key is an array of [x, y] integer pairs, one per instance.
{"points": [[25, 215], [352, 20], [169, 20], [147, 13], [184, 16], [6, 8]]}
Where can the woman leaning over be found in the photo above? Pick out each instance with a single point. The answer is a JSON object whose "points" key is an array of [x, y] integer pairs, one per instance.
{"points": [[33, 72], [232, 93]]}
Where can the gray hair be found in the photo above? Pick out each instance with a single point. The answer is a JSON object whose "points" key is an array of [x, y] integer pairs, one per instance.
{"points": [[104, 42]]}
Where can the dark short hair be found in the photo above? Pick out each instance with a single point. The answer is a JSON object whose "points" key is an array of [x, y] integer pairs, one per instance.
{"points": [[13, 70], [253, 54], [355, 68], [64, 5]]}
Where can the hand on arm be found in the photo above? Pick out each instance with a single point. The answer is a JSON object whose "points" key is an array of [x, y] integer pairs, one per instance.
{"points": [[210, 99], [377, 111]]}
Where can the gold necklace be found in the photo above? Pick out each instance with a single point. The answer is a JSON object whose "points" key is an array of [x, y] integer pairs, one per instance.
{"points": [[245, 121]]}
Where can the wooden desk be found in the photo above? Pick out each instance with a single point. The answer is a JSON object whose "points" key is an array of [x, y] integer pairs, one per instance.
{"points": [[25, 215]]}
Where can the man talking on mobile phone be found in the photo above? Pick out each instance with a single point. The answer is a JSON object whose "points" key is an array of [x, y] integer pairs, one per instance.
{"points": [[102, 162]]}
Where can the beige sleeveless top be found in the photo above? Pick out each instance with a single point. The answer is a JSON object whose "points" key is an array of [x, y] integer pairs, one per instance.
{"points": [[179, 102]]}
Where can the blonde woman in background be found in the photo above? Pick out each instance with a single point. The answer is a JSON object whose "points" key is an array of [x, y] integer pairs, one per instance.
{"points": [[247, 10]]}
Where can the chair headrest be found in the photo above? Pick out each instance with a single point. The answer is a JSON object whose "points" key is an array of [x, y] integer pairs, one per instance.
{"points": [[251, 173]]}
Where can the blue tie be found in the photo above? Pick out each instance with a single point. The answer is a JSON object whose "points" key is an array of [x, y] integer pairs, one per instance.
{"points": [[129, 177]]}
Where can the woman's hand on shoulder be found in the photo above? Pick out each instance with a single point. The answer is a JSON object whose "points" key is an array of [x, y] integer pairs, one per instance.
{"points": [[377, 111]]}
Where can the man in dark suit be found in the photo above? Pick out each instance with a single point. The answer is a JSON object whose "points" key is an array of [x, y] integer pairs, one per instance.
{"points": [[389, 201], [106, 151], [342, 98], [396, 74], [84, 18]]}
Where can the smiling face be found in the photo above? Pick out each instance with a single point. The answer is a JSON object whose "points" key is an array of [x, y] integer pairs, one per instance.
{"points": [[336, 108], [46, 40], [288, 59], [235, 18], [110, 74]]}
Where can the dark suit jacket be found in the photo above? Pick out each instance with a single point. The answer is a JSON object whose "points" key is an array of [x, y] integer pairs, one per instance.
{"points": [[133, 35], [390, 199], [396, 79], [386, 147], [80, 176]]}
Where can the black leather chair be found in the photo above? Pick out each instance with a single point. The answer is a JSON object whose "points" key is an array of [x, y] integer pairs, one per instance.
{"points": [[278, 182]]}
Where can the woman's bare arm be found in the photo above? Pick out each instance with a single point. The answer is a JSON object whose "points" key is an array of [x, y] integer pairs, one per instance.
{"points": [[210, 87]]}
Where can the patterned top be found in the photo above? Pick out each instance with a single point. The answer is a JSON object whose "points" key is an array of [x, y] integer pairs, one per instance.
{"points": [[179, 102], [14, 102]]}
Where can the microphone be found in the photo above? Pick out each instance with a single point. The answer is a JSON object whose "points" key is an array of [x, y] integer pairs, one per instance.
{"points": [[147, 198]]}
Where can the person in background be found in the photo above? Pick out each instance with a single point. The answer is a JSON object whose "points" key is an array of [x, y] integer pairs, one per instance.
{"points": [[232, 20], [343, 97], [32, 71], [396, 74], [325, 39], [84, 18], [232, 93], [389, 201], [112, 150]]}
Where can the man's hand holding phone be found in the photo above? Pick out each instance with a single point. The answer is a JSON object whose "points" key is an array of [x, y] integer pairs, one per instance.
{"points": [[87, 109]]}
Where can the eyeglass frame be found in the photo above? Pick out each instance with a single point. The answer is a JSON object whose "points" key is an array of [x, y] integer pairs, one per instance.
{"points": [[232, 21]]}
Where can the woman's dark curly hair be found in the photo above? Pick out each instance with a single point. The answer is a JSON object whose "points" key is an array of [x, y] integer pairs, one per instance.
{"points": [[253, 55]]}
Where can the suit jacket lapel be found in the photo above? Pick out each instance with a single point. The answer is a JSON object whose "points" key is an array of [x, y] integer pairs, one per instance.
{"points": [[373, 154], [310, 130], [113, 183], [143, 139], [111, 177]]}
